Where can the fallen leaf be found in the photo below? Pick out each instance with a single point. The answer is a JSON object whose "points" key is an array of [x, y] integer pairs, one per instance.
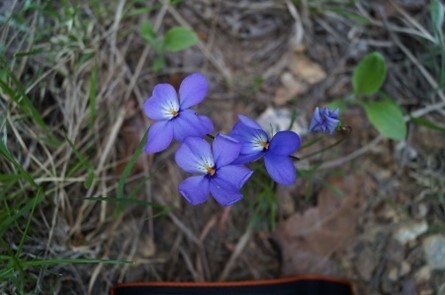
{"points": [[305, 69], [308, 240], [302, 74]]}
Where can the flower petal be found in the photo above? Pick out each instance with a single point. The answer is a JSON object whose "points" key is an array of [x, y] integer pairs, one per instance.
{"points": [[247, 158], [280, 168], [249, 122], [160, 135], [206, 125], [237, 175], [335, 113], [195, 189], [192, 91], [316, 120], [331, 124], [161, 104], [225, 149], [284, 143], [249, 138], [187, 124], [193, 155], [224, 192]]}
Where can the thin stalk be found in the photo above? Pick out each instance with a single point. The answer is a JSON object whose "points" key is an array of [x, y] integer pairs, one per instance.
{"points": [[346, 130]]}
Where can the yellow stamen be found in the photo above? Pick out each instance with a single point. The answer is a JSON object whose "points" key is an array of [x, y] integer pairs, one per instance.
{"points": [[174, 113], [211, 171], [265, 145]]}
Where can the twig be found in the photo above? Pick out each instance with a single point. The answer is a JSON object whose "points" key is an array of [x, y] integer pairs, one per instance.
{"points": [[216, 63], [238, 249], [353, 155]]}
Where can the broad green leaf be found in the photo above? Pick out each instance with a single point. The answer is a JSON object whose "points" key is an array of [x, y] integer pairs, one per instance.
{"points": [[369, 74], [387, 117], [179, 38], [148, 33]]}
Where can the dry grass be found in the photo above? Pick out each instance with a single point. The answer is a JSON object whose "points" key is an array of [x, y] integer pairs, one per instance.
{"points": [[86, 72]]}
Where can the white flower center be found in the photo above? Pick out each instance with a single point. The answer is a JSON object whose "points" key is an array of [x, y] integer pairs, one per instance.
{"points": [[260, 143], [207, 166], [171, 110]]}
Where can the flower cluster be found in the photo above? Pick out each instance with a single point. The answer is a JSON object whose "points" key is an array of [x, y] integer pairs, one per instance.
{"points": [[218, 169]]}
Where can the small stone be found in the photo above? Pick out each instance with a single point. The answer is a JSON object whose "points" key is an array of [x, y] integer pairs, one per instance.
{"points": [[423, 274], [419, 211], [405, 268], [434, 248], [410, 231], [427, 291], [393, 274], [279, 119], [366, 263], [309, 71]]}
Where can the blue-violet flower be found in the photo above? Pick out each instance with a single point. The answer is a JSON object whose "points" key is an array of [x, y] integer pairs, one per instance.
{"points": [[255, 143], [174, 117], [324, 120], [217, 175]]}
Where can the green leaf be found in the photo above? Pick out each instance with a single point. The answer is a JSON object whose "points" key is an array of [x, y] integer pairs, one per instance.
{"points": [[41, 262], [30, 205], [369, 74], [127, 171], [338, 103], [158, 64], [5, 152], [179, 38], [92, 96], [428, 124], [387, 117], [84, 163], [437, 13], [148, 33]]}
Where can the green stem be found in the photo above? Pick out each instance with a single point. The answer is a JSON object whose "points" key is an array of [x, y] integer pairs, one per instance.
{"points": [[346, 130], [311, 143]]}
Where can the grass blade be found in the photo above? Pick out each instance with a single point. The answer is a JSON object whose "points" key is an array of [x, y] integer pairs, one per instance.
{"points": [[127, 171]]}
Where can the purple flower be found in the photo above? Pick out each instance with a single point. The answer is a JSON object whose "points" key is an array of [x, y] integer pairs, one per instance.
{"points": [[255, 143], [215, 172], [324, 120], [174, 117]]}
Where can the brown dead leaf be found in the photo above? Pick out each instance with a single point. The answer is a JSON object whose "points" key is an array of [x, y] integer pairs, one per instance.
{"points": [[308, 240], [305, 69], [302, 74]]}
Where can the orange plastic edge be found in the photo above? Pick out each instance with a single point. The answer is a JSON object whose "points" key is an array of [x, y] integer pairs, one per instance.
{"points": [[235, 284]]}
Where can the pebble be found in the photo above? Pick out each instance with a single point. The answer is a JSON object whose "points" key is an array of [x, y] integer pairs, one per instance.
{"points": [[279, 119], [410, 231], [366, 263], [434, 248], [423, 274]]}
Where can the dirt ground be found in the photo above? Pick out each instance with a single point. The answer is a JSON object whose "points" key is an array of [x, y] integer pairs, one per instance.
{"points": [[371, 210]]}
